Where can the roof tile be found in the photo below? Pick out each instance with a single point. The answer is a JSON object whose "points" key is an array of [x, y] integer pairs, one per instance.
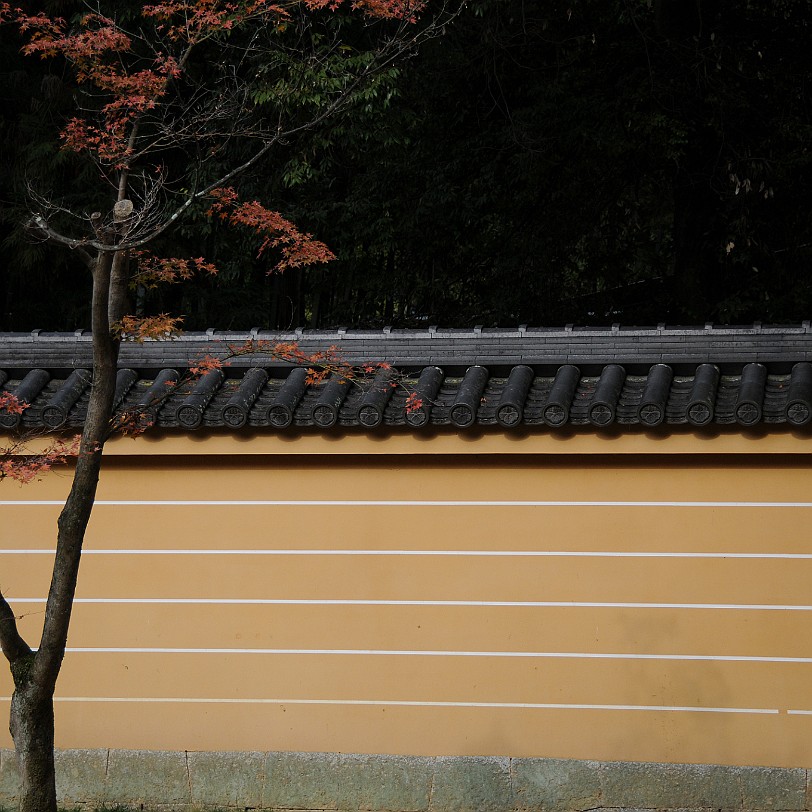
{"points": [[530, 376]]}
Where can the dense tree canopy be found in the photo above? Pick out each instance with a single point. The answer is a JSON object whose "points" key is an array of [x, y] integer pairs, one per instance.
{"points": [[631, 160]]}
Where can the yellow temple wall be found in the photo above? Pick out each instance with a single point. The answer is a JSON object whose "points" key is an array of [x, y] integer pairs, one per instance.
{"points": [[627, 597]]}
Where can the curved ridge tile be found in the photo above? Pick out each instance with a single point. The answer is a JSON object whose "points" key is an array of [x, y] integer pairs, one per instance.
{"points": [[798, 410], [55, 412], [603, 407], [30, 386], [751, 394], [701, 403], [334, 393], [235, 411], [374, 400], [464, 409], [559, 401], [125, 380], [190, 413], [281, 412], [510, 410], [428, 386], [151, 401], [651, 410]]}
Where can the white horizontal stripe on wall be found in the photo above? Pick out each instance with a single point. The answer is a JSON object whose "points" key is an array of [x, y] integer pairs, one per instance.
{"points": [[758, 607], [407, 703], [461, 553], [401, 503], [577, 655]]}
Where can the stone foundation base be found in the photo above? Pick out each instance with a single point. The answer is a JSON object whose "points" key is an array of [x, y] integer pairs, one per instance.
{"points": [[327, 781]]}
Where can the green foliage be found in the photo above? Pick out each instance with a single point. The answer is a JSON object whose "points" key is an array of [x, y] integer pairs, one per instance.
{"points": [[591, 163], [622, 161]]}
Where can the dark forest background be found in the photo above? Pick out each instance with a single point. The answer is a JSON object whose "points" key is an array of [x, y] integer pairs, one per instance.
{"points": [[542, 162]]}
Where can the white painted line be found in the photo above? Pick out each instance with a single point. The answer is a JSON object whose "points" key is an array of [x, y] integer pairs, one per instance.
{"points": [[359, 602], [402, 503], [576, 655], [407, 703], [459, 553], [800, 712]]}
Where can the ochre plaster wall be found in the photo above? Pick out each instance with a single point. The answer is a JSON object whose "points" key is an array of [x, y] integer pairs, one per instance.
{"points": [[623, 606]]}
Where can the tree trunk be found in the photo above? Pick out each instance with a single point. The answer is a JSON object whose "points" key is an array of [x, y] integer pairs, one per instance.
{"points": [[35, 673], [32, 727]]}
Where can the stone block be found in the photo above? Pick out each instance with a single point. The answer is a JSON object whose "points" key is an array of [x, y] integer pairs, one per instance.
{"points": [[556, 784], [146, 777], [772, 788], [143, 780], [227, 779], [9, 778], [346, 782], [472, 785], [80, 776], [669, 785], [394, 783]]}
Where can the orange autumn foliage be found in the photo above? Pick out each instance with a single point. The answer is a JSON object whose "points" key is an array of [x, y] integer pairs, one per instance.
{"points": [[142, 328], [25, 468], [22, 467], [154, 270], [297, 249]]}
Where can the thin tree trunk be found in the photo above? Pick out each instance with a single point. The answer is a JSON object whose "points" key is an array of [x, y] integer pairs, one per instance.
{"points": [[120, 278], [35, 673], [32, 727]]}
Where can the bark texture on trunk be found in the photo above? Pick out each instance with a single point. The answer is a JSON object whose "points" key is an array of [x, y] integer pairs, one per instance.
{"points": [[32, 727]]}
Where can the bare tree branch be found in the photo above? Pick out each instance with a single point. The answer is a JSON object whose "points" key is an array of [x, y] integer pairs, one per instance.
{"points": [[196, 115], [11, 642]]}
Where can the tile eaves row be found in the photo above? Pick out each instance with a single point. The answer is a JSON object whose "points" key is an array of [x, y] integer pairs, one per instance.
{"points": [[520, 397]]}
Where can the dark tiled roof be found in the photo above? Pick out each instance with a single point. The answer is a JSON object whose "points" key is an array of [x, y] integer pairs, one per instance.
{"points": [[521, 377]]}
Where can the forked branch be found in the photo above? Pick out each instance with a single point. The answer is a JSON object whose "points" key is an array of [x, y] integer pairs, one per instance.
{"points": [[13, 645]]}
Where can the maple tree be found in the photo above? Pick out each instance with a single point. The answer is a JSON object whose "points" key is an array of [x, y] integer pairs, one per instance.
{"points": [[179, 80]]}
